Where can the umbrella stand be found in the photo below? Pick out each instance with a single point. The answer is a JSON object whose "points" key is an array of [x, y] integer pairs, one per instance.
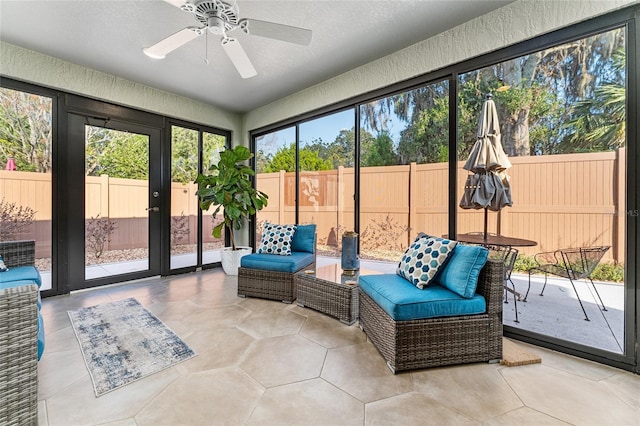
{"points": [[486, 220]]}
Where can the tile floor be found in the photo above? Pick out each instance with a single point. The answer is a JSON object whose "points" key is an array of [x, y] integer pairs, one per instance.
{"points": [[268, 363]]}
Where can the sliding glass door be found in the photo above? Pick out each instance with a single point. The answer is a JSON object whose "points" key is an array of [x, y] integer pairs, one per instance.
{"points": [[562, 115]]}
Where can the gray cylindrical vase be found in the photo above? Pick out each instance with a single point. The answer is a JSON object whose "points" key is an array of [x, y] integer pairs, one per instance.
{"points": [[350, 261]]}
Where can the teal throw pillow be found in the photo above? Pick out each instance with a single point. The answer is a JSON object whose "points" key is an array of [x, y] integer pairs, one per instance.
{"points": [[423, 258], [276, 239], [460, 274], [304, 240]]}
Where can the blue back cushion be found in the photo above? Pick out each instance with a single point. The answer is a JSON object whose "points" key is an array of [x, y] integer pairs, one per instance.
{"points": [[403, 301], [277, 263], [460, 273], [304, 239]]}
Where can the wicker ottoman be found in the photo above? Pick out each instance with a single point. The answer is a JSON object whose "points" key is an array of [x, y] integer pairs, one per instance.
{"points": [[329, 291]]}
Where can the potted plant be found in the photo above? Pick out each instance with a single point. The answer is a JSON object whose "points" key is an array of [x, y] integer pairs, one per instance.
{"points": [[229, 187]]}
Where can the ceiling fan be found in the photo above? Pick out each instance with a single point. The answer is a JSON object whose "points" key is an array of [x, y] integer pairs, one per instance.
{"points": [[220, 17]]}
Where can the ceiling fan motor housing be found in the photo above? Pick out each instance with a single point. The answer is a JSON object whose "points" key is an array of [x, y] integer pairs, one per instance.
{"points": [[218, 16]]}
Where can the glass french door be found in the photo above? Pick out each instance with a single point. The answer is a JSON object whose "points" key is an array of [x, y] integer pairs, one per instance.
{"points": [[192, 245], [115, 201]]}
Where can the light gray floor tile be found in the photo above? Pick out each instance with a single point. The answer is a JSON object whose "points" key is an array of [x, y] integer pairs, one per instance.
{"points": [[569, 397], [222, 396], [362, 372], [413, 409], [281, 360], [476, 390], [313, 402]]}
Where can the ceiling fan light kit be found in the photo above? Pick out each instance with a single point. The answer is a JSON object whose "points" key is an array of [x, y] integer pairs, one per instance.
{"points": [[221, 17]]}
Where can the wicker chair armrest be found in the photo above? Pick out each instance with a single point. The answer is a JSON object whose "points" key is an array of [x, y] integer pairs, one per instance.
{"points": [[491, 285], [18, 253]]}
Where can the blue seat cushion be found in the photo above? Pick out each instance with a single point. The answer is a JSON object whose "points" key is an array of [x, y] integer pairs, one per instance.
{"points": [[460, 273], [40, 336], [404, 302], [20, 273], [277, 263], [304, 239]]}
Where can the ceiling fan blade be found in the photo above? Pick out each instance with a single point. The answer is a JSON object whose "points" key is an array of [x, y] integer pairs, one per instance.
{"points": [[276, 31], [186, 5], [171, 43], [238, 56], [176, 3]]}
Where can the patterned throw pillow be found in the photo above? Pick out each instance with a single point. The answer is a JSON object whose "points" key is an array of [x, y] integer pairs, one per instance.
{"points": [[423, 258], [276, 239]]}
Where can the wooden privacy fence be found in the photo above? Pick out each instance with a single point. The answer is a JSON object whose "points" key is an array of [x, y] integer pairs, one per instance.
{"points": [[558, 201], [123, 201]]}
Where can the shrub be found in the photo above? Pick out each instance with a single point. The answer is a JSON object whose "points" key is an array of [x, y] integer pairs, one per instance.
{"points": [[386, 233], [604, 272], [14, 220], [179, 228], [524, 263], [609, 272], [97, 234]]}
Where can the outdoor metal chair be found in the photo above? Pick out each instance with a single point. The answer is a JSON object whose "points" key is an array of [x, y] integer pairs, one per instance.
{"points": [[571, 263], [508, 256]]}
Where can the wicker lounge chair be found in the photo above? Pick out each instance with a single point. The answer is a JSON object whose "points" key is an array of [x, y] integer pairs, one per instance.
{"points": [[409, 345], [18, 341], [268, 280]]}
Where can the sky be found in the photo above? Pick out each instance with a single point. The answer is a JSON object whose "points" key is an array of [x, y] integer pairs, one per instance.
{"points": [[326, 128]]}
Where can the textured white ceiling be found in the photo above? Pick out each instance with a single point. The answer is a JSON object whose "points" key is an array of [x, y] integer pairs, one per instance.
{"points": [[108, 36]]}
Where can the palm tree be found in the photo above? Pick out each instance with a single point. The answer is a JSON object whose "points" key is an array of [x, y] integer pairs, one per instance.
{"points": [[600, 123]]}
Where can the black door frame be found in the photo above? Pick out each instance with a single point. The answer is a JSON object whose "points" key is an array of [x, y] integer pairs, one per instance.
{"points": [[166, 196], [71, 197]]}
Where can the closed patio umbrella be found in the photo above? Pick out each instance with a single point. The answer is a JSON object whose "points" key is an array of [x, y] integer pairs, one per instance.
{"points": [[487, 185]]}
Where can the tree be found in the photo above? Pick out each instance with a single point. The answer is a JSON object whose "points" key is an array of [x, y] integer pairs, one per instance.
{"points": [[285, 159], [184, 154], [378, 151], [600, 123], [115, 153], [536, 96], [426, 139], [26, 130]]}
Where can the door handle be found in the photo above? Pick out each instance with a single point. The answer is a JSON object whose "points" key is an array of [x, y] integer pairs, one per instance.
{"points": [[153, 209]]}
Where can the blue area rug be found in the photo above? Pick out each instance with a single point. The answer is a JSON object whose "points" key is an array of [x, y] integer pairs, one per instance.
{"points": [[123, 342]]}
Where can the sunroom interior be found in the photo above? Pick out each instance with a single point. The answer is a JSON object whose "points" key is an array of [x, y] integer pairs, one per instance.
{"points": [[571, 187]]}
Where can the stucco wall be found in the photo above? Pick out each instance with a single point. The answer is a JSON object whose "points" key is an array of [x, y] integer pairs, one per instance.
{"points": [[33, 67], [511, 24]]}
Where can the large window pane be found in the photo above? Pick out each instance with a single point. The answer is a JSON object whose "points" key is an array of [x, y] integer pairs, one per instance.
{"points": [[212, 145], [326, 185], [562, 121], [404, 171], [275, 167], [25, 173], [184, 203]]}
